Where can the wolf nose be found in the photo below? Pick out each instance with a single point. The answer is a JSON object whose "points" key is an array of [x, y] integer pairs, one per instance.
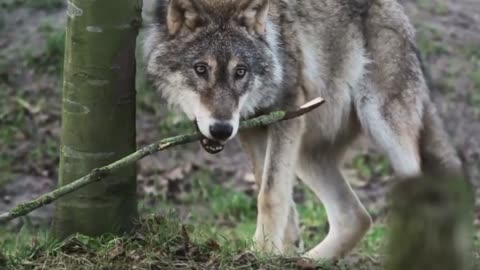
{"points": [[221, 131]]}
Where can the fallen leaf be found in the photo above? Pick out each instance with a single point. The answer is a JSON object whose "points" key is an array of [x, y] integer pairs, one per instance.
{"points": [[116, 251], [31, 109], [245, 258], [186, 238], [213, 245], [305, 264]]}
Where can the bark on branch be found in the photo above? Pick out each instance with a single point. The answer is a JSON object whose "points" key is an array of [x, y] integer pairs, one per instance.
{"points": [[100, 173]]}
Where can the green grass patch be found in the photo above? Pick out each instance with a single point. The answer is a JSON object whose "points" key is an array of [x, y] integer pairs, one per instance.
{"points": [[429, 47], [476, 85], [48, 149], [34, 4], [429, 41], [51, 58], [2, 20], [12, 121], [436, 7], [217, 237], [476, 77], [174, 124], [472, 51], [372, 165], [374, 241], [45, 4], [159, 242]]}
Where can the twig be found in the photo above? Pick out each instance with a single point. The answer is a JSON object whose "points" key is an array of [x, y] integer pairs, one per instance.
{"points": [[100, 173]]}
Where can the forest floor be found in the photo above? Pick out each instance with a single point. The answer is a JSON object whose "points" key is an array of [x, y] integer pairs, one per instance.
{"points": [[213, 196]]}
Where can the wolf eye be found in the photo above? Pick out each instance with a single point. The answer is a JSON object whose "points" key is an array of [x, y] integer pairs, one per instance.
{"points": [[240, 72], [200, 69]]}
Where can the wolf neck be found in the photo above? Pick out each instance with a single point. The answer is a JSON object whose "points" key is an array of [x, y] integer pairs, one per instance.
{"points": [[272, 38]]}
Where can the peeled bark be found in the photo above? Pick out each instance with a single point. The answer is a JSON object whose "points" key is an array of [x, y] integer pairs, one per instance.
{"points": [[98, 115]]}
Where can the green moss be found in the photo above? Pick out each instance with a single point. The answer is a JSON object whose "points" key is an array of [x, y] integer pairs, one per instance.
{"points": [[431, 224]]}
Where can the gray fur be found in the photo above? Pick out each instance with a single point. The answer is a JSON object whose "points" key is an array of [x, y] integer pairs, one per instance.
{"points": [[356, 54]]}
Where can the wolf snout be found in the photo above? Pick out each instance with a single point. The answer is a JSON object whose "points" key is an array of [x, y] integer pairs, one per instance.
{"points": [[221, 131]]}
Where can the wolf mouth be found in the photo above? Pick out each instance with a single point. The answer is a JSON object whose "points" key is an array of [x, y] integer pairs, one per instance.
{"points": [[209, 145]]}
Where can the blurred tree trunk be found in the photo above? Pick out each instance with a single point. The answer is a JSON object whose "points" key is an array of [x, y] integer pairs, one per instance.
{"points": [[98, 115], [431, 225]]}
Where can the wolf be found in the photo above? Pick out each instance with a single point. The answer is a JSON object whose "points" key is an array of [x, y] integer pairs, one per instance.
{"points": [[221, 61]]}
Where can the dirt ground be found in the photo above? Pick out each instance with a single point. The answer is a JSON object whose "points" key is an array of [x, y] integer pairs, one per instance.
{"points": [[30, 102]]}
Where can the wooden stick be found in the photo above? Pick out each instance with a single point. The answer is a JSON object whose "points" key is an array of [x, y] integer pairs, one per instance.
{"points": [[99, 174]]}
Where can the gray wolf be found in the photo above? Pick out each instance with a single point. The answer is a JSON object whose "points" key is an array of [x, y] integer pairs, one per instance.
{"points": [[224, 60]]}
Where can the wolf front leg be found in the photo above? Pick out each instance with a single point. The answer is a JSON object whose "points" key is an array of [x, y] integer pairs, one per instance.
{"points": [[275, 194], [254, 142]]}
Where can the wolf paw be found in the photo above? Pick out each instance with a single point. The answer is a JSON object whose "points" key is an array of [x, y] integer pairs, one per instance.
{"points": [[319, 254], [295, 247], [268, 245]]}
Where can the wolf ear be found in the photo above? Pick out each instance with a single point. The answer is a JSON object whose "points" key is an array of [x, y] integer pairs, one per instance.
{"points": [[253, 15], [182, 14]]}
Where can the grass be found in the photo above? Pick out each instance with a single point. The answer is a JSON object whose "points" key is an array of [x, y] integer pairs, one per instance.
{"points": [[203, 241], [435, 7], [46, 149], [159, 242], [174, 124], [220, 224], [372, 165], [472, 51], [50, 59], [12, 119], [2, 20], [476, 83], [429, 41], [47, 5], [217, 237]]}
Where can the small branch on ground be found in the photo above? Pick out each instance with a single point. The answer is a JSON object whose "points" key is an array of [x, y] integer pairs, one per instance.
{"points": [[100, 173]]}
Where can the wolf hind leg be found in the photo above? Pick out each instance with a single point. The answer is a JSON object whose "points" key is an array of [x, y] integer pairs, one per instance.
{"points": [[437, 152], [395, 137], [348, 219]]}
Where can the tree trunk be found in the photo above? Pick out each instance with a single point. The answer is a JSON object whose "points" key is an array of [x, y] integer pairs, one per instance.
{"points": [[98, 115], [431, 225]]}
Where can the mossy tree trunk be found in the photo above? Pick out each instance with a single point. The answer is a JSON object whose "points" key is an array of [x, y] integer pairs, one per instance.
{"points": [[431, 225], [98, 116]]}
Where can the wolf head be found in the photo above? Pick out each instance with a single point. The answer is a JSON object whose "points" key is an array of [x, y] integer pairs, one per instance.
{"points": [[215, 59]]}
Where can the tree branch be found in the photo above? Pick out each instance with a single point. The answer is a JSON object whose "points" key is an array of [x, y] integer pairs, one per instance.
{"points": [[100, 173]]}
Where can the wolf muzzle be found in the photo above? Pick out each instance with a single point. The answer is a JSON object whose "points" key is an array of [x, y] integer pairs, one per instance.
{"points": [[219, 132]]}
